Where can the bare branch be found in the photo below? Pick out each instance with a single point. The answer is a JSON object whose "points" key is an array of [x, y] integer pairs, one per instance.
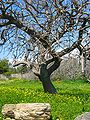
{"points": [[3, 38], [75, 44], [21, 63]]}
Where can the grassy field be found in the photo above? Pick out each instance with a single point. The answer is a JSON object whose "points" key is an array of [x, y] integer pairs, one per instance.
{"points": [[73, 97]]}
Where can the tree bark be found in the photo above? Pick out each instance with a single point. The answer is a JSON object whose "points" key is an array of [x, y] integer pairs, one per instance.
{"points": [[83, 64], [45, 79], [45, 75]]}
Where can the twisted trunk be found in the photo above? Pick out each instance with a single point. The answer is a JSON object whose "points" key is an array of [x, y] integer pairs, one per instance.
{"points": [[45, 79], [45, 76]]}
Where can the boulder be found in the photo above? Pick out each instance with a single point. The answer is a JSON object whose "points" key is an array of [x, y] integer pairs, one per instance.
{"points": [[26, 111], [84, 116]]}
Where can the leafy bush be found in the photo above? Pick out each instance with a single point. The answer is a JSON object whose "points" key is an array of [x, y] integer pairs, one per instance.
{"points": [[4, 66]]}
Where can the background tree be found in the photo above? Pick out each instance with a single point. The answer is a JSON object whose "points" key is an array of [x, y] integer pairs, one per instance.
{"points": [[84, 49], [4, 66], [36, 29]]}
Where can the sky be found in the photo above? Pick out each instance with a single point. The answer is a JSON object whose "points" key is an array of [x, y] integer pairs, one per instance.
{"points": [[6, 55]]}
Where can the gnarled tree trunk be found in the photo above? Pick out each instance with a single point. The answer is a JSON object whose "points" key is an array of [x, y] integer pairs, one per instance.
{"points": [[45, 79], [45, 76]]}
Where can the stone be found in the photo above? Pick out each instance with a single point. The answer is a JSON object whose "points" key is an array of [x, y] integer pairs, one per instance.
{"points": [[27, 111], [84, 116], [3, 77]]}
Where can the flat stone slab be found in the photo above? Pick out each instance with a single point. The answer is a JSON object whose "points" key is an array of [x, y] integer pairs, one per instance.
{"points": [[84, 116], [26, 111]]}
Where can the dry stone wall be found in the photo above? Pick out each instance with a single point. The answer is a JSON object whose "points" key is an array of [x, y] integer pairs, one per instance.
{"points": [[29, 111], [27, 76]]}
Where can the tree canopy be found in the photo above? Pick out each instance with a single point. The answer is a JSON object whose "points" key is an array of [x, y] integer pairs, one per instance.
{"points": [[52, 24]]}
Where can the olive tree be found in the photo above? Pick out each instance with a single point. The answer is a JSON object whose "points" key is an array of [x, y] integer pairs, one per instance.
{"points": [[43, 31]]}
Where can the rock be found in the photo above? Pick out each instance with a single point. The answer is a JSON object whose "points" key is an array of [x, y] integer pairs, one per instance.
{"points": [[27, 111], [3, 77], [84, 116]]}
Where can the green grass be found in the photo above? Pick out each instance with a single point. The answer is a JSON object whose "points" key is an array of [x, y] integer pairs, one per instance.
{"points": [[73, 97]]}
